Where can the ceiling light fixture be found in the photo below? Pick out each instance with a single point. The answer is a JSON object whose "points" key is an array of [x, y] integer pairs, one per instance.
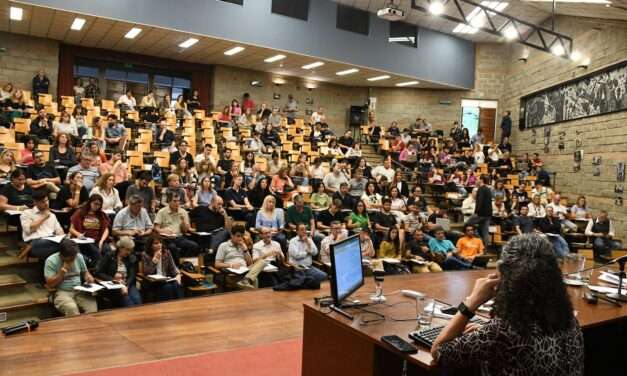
{"points": [[348, 71], [558, 49], [234, 50], [78, 24], [408, 83], [16, 13], [510, 33], [313, 65], [275, 58], [133, 33], [188, 43], [436, 7], [576, 56], [379, 78]]}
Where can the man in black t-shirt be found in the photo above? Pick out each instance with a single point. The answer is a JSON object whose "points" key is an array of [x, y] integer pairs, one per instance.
{"points": [[181, 153], [384, 221], [16, 196], [347, 201], [333, 213], [42, 174], [211, 219]]}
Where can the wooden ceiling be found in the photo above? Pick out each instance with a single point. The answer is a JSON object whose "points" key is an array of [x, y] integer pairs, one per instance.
{"points": [[109, 34]]}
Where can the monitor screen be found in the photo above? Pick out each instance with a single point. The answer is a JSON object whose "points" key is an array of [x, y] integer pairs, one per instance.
{"points": [[346, 268]]}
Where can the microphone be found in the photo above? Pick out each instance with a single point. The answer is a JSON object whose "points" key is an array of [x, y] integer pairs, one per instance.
{"points": [[20, 327]]}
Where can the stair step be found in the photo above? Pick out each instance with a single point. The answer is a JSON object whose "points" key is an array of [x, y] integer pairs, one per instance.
{"points": [[9, 259], [23, 297], [11, 280]]}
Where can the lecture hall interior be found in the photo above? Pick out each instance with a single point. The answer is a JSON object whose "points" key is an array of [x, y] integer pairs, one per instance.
{"points": [[313, 187]]}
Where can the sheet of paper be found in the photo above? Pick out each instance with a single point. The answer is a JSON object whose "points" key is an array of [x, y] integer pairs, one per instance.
{"points": [[240, 270], [56, 239], [611, 278], [391, 260], [157, 277], [83, 240], [92, 288], [270, 269], [110, 285]]}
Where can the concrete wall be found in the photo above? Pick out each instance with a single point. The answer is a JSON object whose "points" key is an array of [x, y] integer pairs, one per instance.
{"points": [[23, 58], [605, 136], [230, 83]]}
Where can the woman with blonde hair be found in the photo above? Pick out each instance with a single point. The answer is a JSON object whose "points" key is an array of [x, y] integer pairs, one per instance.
{"points": [[7, 163], [105, 187], [269, 216]]}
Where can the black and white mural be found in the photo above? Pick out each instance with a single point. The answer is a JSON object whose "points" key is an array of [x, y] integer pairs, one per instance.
{"points": [[597, 93]]}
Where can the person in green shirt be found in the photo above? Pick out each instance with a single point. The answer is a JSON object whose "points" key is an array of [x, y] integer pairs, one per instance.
{"points": [[320, 200], [63, 271], [358, 220]]}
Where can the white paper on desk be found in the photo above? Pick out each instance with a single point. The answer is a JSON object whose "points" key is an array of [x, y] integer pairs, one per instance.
{"points": [[240, 270], [157, 277], [83, 240], [13, 212], [391, 260], [56, 239], [611, 278], [603, 289], [269, 268], [110, 285], [92, 288]]}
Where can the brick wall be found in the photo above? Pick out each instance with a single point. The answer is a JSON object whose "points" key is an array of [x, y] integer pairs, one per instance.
{"points": [[24, 57], [604, 136], [229, 83]]}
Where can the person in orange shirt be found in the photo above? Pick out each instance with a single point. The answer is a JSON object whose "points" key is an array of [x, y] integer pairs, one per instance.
{"points": [[469, 246]]}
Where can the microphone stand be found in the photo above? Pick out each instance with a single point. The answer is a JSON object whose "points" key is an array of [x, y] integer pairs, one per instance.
{"points": [[621, 275]]}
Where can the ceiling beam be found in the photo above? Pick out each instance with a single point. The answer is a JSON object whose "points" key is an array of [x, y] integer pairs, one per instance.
{"points": [[548, 38]]}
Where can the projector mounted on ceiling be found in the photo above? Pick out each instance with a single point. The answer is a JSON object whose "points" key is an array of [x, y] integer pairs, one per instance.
{"points": [[391, 12]]}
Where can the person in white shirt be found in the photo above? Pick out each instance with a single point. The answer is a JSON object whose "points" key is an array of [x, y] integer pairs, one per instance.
{"points": [[128, 101], [536, 209], [301, 250], [545, 193], [148, 101], [266, 248], [468, 205], [39, 223], [562, 212], [206, 156], [234, 254], [384, 170], [602, 229], [318, 116], [335, 178], [105, 187], [494, 153], [337, 234]]}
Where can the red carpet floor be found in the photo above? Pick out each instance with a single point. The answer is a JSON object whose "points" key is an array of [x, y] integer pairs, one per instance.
{"points": [[275, 359]]}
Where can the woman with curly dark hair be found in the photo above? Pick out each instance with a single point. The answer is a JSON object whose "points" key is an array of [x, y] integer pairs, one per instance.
{"points": [[533, 330]]}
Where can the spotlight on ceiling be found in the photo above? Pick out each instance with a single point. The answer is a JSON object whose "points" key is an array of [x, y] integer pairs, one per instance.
{"points": [[558, 49], [510, 33], [436, 7]]}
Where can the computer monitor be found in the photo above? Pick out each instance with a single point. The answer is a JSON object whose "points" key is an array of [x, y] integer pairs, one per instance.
{"points": [[346, 268]]}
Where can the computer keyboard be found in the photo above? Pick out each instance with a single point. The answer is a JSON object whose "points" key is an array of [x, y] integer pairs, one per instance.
{"points": [[426, 337]]}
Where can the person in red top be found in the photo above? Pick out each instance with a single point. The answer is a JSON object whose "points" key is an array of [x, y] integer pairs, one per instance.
{"points": [[247, 103], [90, 222]]}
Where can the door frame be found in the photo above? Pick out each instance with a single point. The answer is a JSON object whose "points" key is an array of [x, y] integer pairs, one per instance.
{"points": [[496, 117]]}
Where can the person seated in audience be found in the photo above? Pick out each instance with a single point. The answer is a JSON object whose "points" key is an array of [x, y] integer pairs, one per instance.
{"points": [[268, 251], [115, 133], [390, 253], [42, 175], [334, 179], [550, 225], [536, 161], [478, 155], [435, 177], [384, 170], [39, 223], [417, 199], [580, 211], [439, 212], [418, 249], [248, 168], [371, 197], [602, 229], [120, 266], [524, 223], [367, 248], [270, 137], [105, 187], [398, 204], [409, 156], [16, 195], [500, 213], [561, 212], [358, 219], [148, 102], [412, 220], [212, 220], [384, 220], [85, 168], [224, 166], [469, 204], [65, 125], [245, 121], [398, 181], [181, 153], [275, 118], [164, 138], [204, 194], [157, 259], [172, 222], [300, 171], [26, 154], [445, 252], [133, 220], [206, 156], [62, 152], [271, 217], [299, 213], [336, 233], [41, 127], [143, 189], [187, 176], [90, 222], [334, 151], [320, 200], [543, 191], [521, 194], [64, 270], [259, 192], [301, 250], [275, 164], [233, 255], [237, 201], [264, 112], [347, 201], [469, 245], [72, 195], [282, 184], [333, 213], [7, 163], [174, 187], [536, 208], [127, 101], [478, 138], [534, 322]]}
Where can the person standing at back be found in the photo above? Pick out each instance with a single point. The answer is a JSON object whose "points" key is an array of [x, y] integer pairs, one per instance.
{"points": [[506, 126], [483, 208]]}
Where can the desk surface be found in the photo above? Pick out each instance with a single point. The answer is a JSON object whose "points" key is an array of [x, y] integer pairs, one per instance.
{"points": [[448, 287]]}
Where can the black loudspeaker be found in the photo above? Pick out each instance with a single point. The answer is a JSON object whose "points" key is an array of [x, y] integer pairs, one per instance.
{"points": [[357, 116]]}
